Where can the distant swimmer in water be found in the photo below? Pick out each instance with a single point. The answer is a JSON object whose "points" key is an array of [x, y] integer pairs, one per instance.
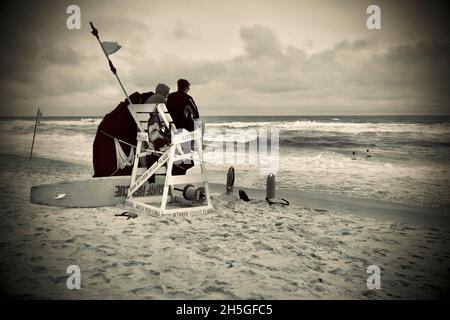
{"points": [[368, 155], [353, 155]]}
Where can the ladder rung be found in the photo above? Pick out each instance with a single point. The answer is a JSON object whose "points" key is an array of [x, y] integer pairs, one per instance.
{"points": [[183, 156], [191, 178], [141, 171], [144, 107], [143, 117], [148, 153]]}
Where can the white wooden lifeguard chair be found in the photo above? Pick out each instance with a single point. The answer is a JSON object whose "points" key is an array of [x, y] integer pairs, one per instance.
{"points": [[159, 205]]}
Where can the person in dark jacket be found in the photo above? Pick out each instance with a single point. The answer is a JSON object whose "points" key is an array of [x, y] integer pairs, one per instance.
{"points": [[182, 107], [183, 110]]}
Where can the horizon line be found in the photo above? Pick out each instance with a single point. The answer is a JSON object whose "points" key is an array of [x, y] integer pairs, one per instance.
{"points": [[253, 115]]}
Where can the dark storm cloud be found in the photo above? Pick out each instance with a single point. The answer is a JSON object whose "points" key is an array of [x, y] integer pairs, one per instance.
{"points": [[23, 28], [169, 68], [413, 74], [179, 31], [121, 27], [429, 18], [353, 69], [260, 42], [356, 45], [42, 60], [65, 55]]}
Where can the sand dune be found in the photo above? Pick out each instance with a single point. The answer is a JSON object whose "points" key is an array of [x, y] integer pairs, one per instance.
{"points": [[238, 251]]}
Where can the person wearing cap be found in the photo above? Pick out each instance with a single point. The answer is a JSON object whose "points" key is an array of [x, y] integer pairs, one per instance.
{"points": [[161, 93], [182, 107]]}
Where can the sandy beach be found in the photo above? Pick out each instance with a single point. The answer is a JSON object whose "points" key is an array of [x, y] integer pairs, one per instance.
{"points": [[237, 251], [343, 105]]}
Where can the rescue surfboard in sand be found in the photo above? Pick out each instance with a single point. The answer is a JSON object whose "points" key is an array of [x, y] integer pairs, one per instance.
{"points": [[95, 192]]}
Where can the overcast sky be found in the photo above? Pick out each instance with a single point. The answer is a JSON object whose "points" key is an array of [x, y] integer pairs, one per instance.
{"points": [[242, 57]]}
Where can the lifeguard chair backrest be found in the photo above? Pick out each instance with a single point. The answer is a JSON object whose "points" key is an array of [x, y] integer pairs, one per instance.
{"points": [[142, 112]]}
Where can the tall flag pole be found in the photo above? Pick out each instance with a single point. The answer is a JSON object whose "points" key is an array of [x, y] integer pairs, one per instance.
{"points": [[38, 121], [109, 48]]}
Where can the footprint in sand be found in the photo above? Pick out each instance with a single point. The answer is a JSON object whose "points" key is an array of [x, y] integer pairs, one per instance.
{"points": [[57, 279], [369, 294], [248, 272], [315, 256], [38, 269], [290, 287], [129, 264], [262, 246], [100, 275], [36, 259], [337, 271], [319, 287], [158, 290], [71, 240], [209, 264], [405, 267]]}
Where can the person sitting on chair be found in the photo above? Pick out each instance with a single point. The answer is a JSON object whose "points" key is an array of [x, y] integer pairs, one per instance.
{"points": [[183, 111], [182, 107], [161, 93]]}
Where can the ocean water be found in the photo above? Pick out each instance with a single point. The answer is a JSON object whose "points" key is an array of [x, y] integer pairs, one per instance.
{"points": [[409, 160]]}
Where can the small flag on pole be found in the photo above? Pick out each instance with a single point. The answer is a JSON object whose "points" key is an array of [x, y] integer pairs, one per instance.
{"points": [[39, 117], [110, 47], [38, 121]]}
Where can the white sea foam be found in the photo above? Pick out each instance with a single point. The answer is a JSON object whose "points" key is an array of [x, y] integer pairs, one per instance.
{"points": [[341, 127], [95, 120]]}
